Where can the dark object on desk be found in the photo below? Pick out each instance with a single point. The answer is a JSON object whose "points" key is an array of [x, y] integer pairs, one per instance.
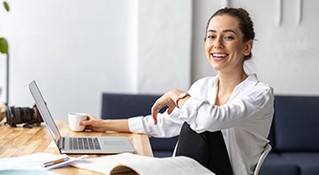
{"points": [[20, 115], [294, 137], [123, 106]]}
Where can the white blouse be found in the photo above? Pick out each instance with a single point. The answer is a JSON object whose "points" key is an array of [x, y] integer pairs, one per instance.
{"points": [[244, 120]]}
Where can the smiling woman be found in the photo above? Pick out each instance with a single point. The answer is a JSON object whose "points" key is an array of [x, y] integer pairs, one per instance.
{"points": [[223, 122]]}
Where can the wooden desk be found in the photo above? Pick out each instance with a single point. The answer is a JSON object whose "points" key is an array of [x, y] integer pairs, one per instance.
{"points": [[20, 141]]}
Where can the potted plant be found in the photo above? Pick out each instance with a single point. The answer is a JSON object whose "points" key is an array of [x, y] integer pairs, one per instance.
{"points": [[4, 50], [3, 41]]}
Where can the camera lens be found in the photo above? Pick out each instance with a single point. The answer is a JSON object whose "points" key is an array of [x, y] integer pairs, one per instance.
{"points": [[26, 115], [20, 115]]}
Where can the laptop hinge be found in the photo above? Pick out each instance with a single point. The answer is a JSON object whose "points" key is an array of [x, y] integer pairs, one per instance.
{"points": [[61, 144]]}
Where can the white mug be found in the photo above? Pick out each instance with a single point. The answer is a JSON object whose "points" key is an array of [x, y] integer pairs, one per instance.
{"points": [[75, 119]]}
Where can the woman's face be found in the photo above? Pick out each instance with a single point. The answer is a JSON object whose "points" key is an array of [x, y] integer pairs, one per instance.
{"points": [[224, 46]]}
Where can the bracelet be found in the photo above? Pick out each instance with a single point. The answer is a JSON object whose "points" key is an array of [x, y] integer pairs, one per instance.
{"points": [[181, 96]]}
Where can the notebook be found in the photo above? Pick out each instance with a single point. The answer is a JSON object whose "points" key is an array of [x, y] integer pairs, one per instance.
{"points": [[78, 144]]}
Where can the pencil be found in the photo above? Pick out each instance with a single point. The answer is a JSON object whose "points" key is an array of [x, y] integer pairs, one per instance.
{"points": [[46, 164]]}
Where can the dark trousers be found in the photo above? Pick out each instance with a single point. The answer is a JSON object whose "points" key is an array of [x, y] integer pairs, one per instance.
{"points": [[208, 148]]}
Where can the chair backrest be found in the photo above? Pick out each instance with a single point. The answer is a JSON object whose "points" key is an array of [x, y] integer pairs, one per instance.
{"points": [[262, 158]]}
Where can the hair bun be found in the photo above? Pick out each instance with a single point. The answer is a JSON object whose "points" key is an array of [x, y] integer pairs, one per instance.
{"points": [[244, 11]]}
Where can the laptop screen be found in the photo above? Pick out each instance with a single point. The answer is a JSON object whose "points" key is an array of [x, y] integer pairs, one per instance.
{"points": [[44, 111]]}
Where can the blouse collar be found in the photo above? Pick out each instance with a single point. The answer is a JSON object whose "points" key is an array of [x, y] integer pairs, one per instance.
{"points": [[250, 81]]}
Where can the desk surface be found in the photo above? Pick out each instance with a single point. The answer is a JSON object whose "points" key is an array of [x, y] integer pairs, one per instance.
{"points": [[23, 141]]}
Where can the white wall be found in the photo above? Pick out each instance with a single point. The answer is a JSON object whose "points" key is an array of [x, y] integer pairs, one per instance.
{"points": [[78, 49], [75, 50], [164, 45]]}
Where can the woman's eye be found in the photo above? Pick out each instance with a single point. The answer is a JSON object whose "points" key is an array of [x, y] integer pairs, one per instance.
{"points": [[210, 37], [229, 37]]}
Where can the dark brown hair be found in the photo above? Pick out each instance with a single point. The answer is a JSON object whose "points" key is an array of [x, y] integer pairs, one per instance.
{"points": [[246, 25]]}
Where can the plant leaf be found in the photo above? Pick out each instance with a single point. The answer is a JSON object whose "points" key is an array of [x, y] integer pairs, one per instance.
{"points": [[6, 6], [3, 46]]}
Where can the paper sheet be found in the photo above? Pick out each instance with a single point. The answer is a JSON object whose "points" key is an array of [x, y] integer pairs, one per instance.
{"points": [[34, 161]]}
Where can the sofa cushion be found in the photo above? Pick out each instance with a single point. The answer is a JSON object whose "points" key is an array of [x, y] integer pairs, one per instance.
{"points": [[275, 164], [308, 163], [163, 144], [122, 106], [162, 153], [296, 123]]}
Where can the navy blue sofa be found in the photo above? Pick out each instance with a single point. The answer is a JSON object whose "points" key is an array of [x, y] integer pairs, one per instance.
{"points": [[294, 135]]}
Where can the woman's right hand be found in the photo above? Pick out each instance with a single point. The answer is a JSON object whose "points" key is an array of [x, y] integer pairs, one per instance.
{"points": [[94, 124]]}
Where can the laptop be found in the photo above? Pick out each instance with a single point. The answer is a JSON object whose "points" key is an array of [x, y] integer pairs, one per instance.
{"points": [[78, 144]]}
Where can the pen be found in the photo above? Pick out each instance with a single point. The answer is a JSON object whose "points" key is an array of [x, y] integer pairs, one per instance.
{"points": [[46, 164]]}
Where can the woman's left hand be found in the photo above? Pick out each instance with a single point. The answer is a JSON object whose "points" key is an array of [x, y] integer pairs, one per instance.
{"points": [[169, 100]]}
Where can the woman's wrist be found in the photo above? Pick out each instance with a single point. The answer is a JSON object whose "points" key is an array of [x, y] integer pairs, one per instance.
{"points": [[179, 97], [174, 94]]}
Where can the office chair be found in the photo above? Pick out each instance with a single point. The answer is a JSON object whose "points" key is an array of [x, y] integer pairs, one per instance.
{"points": [[262, 158]]}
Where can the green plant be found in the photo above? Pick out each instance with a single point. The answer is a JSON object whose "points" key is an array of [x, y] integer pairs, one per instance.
{"points": [[4, 48], [3, 42]]}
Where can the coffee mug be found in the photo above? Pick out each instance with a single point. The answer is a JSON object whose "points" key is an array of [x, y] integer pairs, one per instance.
{"points": [[75, 119]]}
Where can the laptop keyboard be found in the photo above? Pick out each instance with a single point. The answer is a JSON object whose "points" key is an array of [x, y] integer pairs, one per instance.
{"points": [[84, 143]]}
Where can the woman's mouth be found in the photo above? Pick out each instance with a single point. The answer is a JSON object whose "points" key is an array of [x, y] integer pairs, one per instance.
{"points": [[219, 56]]}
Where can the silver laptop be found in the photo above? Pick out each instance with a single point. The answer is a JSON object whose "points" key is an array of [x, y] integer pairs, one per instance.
{"points": [[78, 144]]}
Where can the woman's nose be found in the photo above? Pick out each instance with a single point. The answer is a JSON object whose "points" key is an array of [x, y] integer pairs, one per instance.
{"points": [[218, 44]]}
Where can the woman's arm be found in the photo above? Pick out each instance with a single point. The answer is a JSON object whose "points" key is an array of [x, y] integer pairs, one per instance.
{"points": [[96, 124], [169, 99], [204, 116]]}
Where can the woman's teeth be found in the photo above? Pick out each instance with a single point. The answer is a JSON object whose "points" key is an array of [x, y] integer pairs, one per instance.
{"points": [[219, 55]]}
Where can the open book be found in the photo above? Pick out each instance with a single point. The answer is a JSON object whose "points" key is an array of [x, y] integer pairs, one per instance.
{"points": [[127, 162]]}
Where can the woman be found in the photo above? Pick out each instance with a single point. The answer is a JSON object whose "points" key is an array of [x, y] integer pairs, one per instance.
{"points": [[234, 106]]}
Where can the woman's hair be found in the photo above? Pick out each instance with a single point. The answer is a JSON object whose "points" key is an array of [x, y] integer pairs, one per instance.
{"points": [[246, 25]]}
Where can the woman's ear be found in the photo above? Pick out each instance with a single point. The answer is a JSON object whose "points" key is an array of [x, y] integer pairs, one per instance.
{"points": [[249, 46]]}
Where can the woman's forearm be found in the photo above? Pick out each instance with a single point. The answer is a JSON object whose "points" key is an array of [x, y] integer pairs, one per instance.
{"points": [[120, 125]]}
